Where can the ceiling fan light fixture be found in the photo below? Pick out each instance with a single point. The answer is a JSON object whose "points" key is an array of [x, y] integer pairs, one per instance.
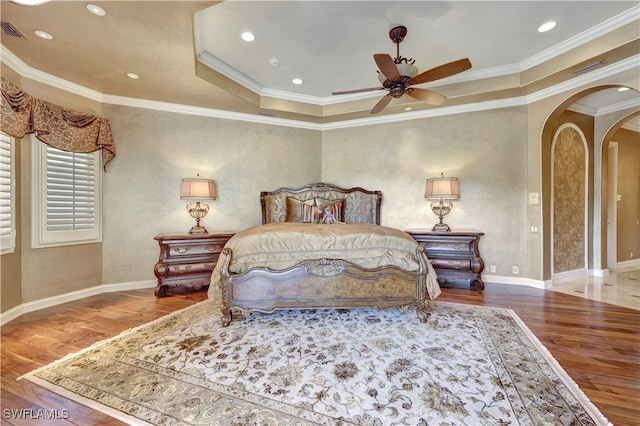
{"points": [[409, 70]]}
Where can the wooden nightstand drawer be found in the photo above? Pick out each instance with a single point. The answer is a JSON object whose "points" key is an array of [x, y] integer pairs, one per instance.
{"points": [[190, 249], [167, 270], [187, 260], [461, 264]]}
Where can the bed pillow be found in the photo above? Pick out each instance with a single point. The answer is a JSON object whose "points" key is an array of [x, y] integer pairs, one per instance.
{"points": [[335, 206], [300, 210]]}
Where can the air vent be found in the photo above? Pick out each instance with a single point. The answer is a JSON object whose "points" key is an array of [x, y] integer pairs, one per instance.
{"points": [[589, 67], [10, 30]]}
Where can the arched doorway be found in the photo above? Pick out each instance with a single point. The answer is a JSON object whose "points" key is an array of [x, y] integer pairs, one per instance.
{"points": [[596, 180], [620, 189]]}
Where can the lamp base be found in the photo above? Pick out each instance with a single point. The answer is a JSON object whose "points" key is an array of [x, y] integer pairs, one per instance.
{"points": [[198, 230], [441, 227]]}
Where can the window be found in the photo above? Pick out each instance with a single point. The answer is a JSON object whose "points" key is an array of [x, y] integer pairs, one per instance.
{"points": [[7, 195], [66, 197]]}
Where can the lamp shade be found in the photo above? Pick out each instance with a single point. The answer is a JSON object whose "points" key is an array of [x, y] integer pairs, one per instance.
{"points": [[197, 189], [442, 188]]}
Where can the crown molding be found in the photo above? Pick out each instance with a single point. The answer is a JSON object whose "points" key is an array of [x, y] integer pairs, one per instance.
{"points": [[223, 68], [588, 78], [24, 70], [631, 125], [587, 36], [631, 103], [16, 64], [208, 112]]}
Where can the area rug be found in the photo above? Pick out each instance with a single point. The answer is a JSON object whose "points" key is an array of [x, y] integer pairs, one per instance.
{"points": [[466, 366]]}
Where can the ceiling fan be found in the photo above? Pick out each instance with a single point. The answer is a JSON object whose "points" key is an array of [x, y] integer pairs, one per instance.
{"points": [[398, 75]]}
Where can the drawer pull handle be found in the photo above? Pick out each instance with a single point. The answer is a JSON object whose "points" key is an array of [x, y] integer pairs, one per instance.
{"points": [[181, 250]]}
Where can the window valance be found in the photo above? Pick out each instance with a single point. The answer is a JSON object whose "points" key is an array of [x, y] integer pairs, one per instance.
{"points": [[54, 125]]}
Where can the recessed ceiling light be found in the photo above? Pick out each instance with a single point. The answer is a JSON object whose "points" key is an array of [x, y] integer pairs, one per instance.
{"points": [[247, 36], [623, 89], [274, 61], [96, 10], [133, 75], [43, 34], [546, 26], [296, 81], [30, 2], [408, 108]]}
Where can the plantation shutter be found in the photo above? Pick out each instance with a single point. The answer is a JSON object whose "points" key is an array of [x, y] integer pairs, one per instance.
{"points": [[70, 191], [7, 204]]}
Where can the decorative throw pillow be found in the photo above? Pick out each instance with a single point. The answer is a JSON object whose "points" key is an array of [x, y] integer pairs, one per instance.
{"points": [[336, 208], [300, 210]]}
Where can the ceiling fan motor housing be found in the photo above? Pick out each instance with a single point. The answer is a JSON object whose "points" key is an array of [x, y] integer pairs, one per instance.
{"points": [[398, 33]]}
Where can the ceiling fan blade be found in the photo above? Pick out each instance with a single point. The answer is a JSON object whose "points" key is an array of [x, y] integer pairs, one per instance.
{"points": [[443, 71], [387, 66], [427, 96], [344, 92], [382, 103]]}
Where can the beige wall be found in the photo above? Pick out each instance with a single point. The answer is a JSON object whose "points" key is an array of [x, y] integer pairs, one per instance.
{"points": [[486, 150], [497, 155], [141, 189]]}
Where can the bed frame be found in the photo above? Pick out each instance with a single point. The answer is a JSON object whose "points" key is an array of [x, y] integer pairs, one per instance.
{"points": [[323, 283]]}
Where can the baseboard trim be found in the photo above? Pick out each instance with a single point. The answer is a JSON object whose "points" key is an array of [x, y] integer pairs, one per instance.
{"points": [[631, 264], [499, 279], [565, 276], [48, 302], [599, 273]]}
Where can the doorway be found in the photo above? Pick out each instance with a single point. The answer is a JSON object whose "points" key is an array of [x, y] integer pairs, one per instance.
{"points": [[612, 206]]}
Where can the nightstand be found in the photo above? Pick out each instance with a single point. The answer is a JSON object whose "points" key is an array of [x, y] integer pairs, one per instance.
{"points": [[187, 260], [454, 255]]}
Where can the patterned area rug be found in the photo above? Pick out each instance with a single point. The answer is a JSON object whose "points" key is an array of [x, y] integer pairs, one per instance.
{"points": [[465, 366]]}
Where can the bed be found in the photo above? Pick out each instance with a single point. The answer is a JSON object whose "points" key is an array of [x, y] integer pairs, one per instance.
{"points": [[296, 260]]}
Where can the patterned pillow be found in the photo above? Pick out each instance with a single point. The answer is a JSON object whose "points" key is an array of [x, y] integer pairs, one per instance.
{"points": [[300, 210], [335, 206]]}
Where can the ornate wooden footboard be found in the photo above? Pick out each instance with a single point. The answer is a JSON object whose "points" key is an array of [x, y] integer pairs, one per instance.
{"points": [[323, 283]]}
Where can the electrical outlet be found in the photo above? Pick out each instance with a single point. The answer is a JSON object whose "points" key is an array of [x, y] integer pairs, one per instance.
{"points": [[492, 268], [516, 271]]}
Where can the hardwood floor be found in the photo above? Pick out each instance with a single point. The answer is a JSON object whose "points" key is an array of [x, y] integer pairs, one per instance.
{"points": [[596, 343]]}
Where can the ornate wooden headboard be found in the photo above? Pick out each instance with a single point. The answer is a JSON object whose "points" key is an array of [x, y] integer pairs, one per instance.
{"points": [[361, 205]]}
